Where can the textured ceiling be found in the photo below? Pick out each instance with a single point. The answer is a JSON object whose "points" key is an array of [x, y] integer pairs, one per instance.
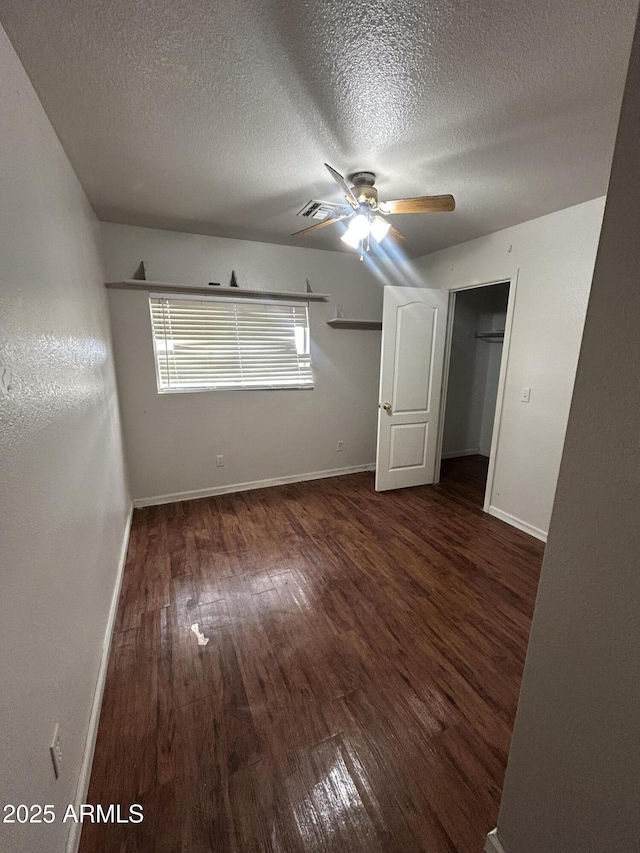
{"points": [[216, 117]]}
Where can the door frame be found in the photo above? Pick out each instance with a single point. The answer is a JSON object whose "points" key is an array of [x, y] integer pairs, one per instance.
{"points": [[512, 281]]}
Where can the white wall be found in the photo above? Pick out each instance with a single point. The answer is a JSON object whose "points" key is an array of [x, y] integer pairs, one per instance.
{"points": [[552, 258], [474, 371], [494, 359], [63, 500], [172, 439], [573, 778]]}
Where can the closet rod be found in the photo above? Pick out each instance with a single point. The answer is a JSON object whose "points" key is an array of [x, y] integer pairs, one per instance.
{"points": [[492, 337]]}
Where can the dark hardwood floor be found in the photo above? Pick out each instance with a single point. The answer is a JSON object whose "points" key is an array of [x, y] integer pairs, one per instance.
{"points": [[359, 681], [465, 478]]}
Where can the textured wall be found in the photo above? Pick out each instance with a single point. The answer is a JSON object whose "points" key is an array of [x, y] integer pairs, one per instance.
{"points": [[552, 258], [573, 779], [172, 439], [63, 501]]}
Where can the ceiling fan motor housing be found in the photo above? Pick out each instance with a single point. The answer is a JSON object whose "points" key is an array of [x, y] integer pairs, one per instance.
{"points": [[364, 189]]}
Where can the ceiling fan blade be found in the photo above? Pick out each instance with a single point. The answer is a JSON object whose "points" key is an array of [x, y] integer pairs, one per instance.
{"points": [[395, 235], [422, 204], [321, 224], [344, 186]]}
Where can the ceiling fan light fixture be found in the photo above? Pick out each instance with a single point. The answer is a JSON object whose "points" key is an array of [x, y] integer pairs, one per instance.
{"points": [[357, 231], [379, 229], [350, 239], [363, 223]]}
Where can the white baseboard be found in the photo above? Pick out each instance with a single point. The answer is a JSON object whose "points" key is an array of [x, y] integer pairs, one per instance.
{"points": [[492, 844], [517, 522], [155, 500], [486, 453], [454, 454], [73, 839]]}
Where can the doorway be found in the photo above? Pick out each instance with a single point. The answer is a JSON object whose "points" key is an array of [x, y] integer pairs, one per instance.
{"points": [[478, 318]]}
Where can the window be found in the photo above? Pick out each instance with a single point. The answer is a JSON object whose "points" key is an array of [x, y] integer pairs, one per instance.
{"points": [[209, 342]]}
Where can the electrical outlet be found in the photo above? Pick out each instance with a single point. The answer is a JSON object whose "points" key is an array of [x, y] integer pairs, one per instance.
{"points": [[220, 461], [526, 395], [56, 751], [340, 446]]}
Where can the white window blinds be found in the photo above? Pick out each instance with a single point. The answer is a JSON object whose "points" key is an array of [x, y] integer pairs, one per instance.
{"points": [[218, 342]]}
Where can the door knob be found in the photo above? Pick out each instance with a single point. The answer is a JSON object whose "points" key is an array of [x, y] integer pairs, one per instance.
{"points": [[386, 406]]}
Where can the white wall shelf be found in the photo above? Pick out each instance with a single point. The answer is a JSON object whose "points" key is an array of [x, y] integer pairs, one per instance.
{"points": [[163, 287], [345, 323]]}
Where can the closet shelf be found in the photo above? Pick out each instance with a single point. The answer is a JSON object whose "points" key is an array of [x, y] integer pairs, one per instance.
{"points": [[163, 287], [345, 323]]}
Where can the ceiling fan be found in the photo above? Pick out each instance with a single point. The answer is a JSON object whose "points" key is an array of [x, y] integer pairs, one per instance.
{"points": [[363, 213]]}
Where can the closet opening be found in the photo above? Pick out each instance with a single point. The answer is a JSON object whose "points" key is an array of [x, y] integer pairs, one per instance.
{"points": [[473, 386]]}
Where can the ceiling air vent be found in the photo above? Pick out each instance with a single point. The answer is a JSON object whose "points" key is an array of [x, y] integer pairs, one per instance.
{"points": [[319, 210]]}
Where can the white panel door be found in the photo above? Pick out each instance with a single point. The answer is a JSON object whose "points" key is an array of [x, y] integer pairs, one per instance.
{"points": [[414, 327]]}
